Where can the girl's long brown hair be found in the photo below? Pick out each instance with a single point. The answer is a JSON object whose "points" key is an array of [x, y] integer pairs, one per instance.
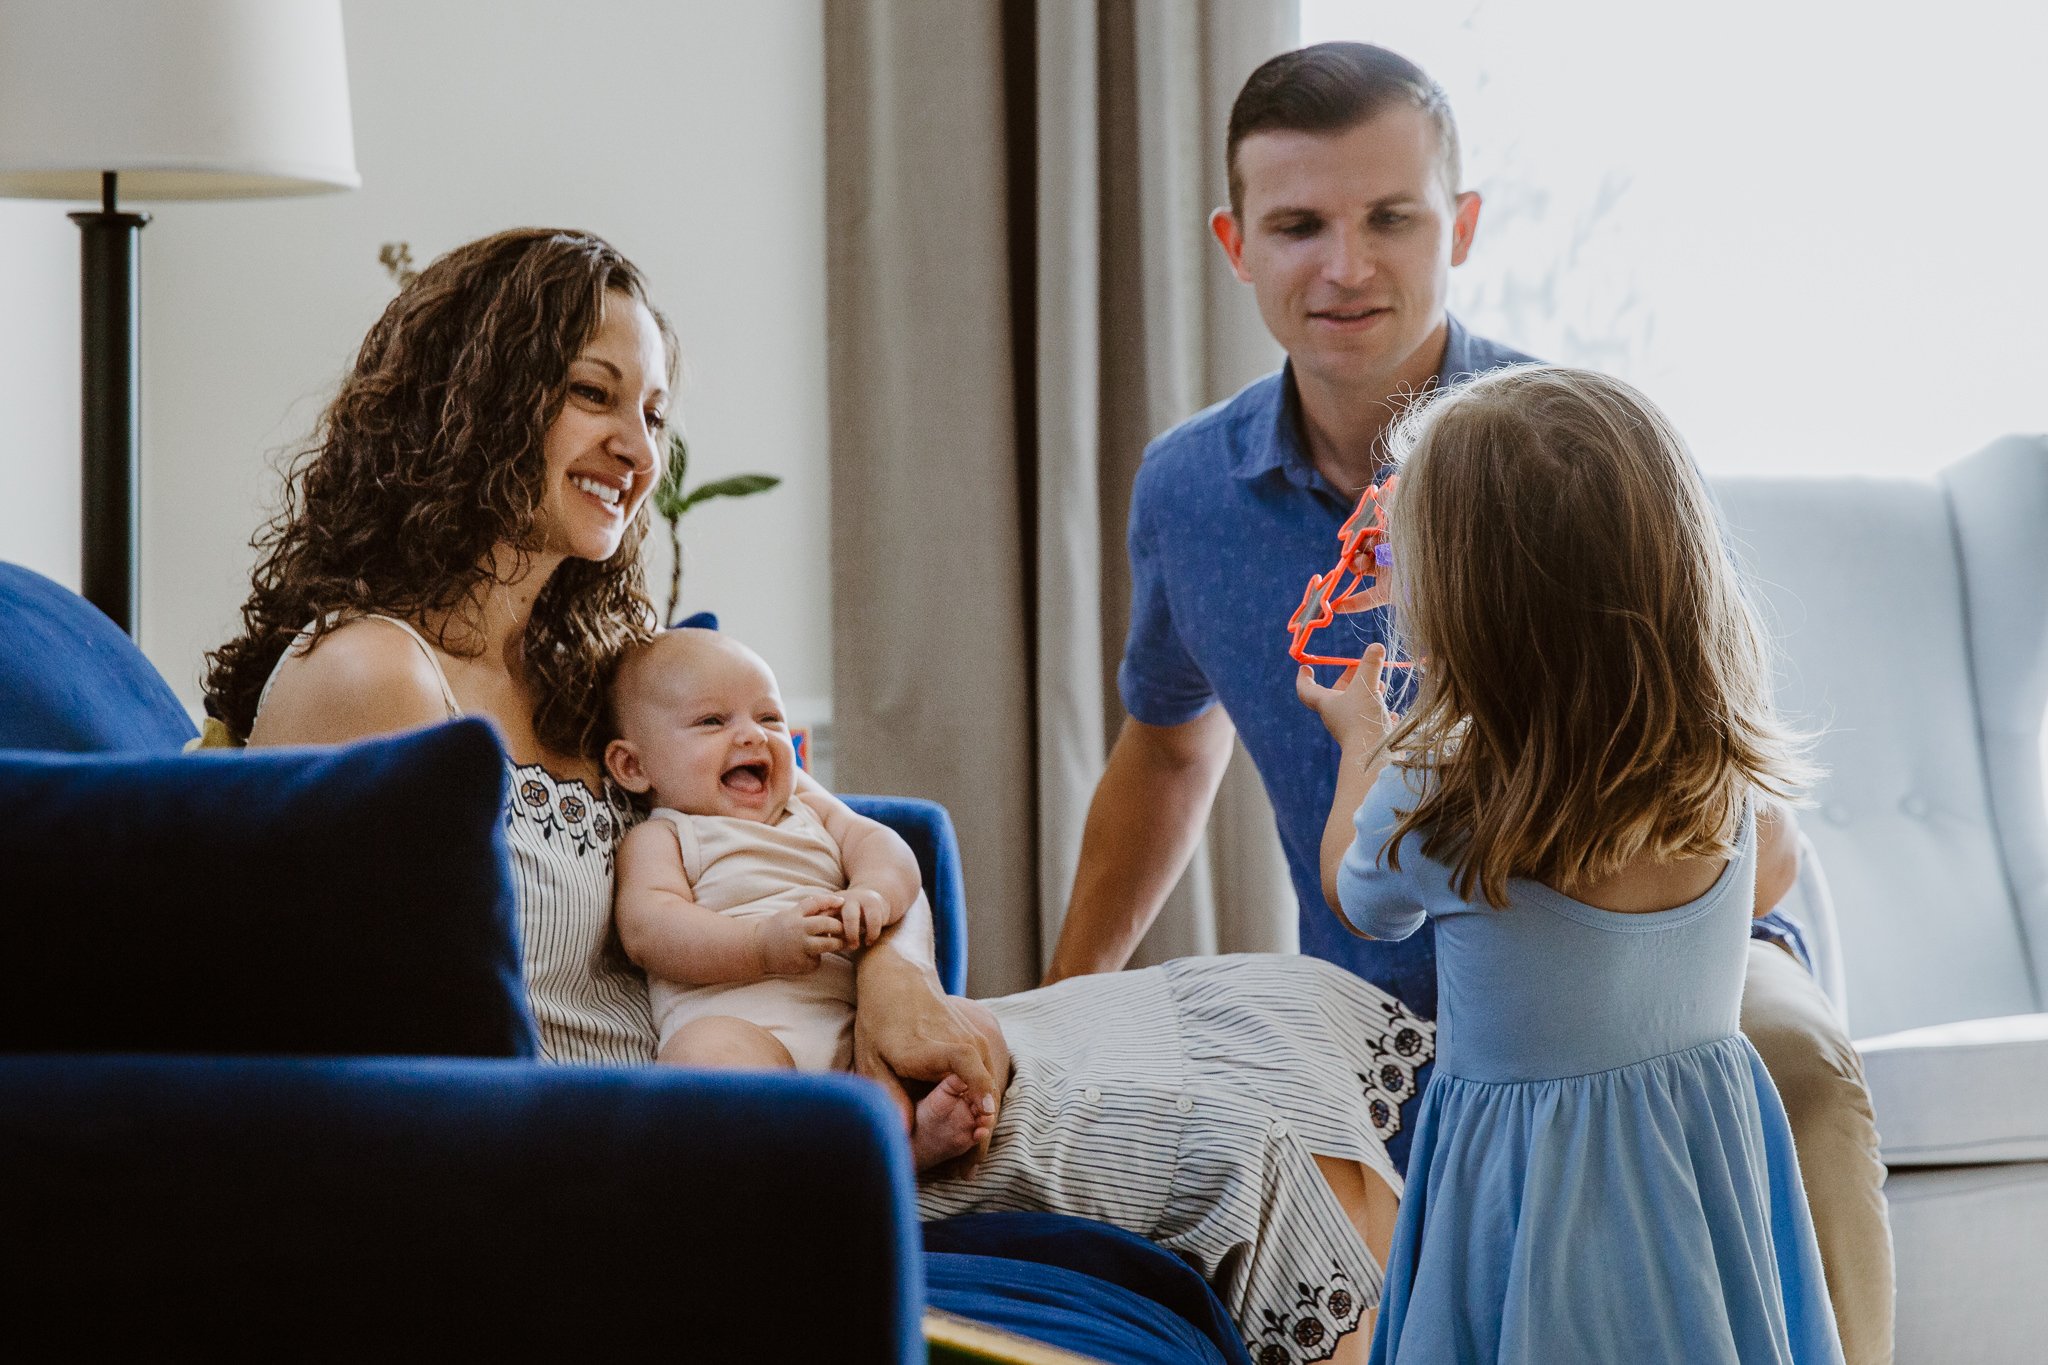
{"points": [[1595, 682], [429, 459]]}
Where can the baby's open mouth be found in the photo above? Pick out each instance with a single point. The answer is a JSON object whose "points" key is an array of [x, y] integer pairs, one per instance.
{"points": [[747, 779]]}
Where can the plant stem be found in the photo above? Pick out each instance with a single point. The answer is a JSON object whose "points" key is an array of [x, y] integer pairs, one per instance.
{"points": [[675, 568]]}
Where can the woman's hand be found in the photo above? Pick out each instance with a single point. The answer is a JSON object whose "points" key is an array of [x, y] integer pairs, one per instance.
{"points": [[907, 1030], [791, 941], [1355, 710]]}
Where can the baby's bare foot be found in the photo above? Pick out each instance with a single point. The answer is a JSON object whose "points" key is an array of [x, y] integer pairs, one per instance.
{"points": [[946, 1126]]}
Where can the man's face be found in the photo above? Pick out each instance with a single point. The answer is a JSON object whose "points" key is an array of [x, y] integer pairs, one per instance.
{"points": [[1348, 240]]}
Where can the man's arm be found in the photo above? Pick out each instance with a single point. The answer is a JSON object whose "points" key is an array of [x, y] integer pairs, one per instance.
{"points": [[1777, 854], [1143, 824]]}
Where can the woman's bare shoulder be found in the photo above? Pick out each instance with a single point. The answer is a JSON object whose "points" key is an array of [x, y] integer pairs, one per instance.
{"points": [[366, 677]]}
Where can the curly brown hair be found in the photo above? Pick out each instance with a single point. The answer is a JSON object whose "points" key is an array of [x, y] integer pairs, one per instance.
{"points": [[430, 458]]}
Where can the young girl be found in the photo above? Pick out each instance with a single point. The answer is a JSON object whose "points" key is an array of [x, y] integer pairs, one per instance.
{"points": [[1602, 1169]]}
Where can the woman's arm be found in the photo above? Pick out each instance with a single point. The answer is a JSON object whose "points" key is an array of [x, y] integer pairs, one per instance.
{"points": [[364, 678], [907, 1029]]}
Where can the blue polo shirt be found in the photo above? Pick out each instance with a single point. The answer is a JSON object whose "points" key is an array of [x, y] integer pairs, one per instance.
{"points": [[1229, 519]]}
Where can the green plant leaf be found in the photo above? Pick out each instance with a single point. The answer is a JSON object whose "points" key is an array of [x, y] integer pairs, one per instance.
{"points": [[738, 486], [669, 502]]}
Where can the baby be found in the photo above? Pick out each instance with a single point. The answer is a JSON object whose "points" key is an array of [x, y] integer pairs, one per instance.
{"points": [[741, 896]]}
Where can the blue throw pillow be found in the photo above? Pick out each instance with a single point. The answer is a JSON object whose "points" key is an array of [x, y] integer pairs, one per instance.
{"points": [[350, 900], [71, 679]]}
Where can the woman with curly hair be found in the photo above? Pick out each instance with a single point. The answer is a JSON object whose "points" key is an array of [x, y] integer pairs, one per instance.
{"points": [[462, 536]]}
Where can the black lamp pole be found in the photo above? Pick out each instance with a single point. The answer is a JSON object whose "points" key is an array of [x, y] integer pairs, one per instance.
{"points": [[109, 258]]}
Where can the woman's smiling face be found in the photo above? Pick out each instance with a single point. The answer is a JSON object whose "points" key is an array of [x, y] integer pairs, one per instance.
{"points": [[604, 448]]}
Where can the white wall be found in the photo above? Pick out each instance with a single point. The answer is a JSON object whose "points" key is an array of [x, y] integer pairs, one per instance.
{"points": [[1807, 229], [689, 133], [39, 499]]}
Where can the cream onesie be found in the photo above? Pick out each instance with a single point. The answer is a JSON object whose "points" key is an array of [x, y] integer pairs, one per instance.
{"points": [[746, 869]]}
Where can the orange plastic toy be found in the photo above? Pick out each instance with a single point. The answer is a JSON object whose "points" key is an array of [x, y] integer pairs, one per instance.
{"points": [[1327, 594]]}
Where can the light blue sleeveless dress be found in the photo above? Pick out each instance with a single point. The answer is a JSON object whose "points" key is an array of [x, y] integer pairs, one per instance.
{"points": [[1602, 1170]]}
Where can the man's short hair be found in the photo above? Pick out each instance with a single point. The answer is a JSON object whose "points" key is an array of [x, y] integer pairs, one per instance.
{"points": [[1332, 88]]}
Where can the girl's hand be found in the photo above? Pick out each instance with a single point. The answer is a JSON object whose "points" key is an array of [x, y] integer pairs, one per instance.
{"points": [[1355, 710], [1367, 565], [791, 941]]}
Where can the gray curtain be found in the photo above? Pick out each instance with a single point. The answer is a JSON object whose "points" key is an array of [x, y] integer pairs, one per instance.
{"points": [[1023, 292]]}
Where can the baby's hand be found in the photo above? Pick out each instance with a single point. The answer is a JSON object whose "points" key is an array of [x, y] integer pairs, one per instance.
{"points": [[1355, 710], [791, 941], [863, 915]]}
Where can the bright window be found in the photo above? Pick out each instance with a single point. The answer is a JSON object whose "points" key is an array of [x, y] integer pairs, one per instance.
{"points": [[1813, 232]]}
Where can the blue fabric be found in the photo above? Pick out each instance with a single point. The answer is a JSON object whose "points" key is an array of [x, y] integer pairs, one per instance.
{"points": [[1778, 927], [349, 900], [72, 681], [367, 1209], [702, 620], [928, 829], [1602, 1170], [1229, 520], [1088, 1247], [1064, 1308]]}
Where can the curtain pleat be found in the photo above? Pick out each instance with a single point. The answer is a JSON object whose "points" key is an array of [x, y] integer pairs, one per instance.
{"points": [[944, 687], [931, 683], [1072, 715]]}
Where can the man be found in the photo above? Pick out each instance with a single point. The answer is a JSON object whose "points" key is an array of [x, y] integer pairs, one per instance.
{"points": [[1345, 217]]}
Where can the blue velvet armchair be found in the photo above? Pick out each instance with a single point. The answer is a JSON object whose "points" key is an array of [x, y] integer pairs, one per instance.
{"points": [[268, 1083]]}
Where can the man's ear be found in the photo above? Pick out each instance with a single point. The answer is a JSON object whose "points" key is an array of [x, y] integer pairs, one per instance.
{"points": [[1225, 225], [1464, 225], [622, 761]]}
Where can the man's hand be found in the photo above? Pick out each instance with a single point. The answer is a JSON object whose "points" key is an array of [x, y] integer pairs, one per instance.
{"points": [[906, 1030], [791, 941], [1355, 710]]}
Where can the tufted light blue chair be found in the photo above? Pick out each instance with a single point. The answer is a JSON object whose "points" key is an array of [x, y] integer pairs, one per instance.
{"points": [[1913, 623]]}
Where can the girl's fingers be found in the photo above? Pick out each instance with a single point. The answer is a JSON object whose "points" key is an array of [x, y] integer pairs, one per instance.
{"points": [[1372, 666], [1307, 689]]}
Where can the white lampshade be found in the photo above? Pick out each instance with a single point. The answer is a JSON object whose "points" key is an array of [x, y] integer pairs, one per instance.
{"points": [[186, 99]]}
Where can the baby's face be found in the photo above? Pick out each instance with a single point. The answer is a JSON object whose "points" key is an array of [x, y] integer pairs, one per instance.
{"points": [[703, 729]]}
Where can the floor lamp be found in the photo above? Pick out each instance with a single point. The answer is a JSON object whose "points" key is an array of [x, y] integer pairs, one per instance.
{"points": [[157, 100]]}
